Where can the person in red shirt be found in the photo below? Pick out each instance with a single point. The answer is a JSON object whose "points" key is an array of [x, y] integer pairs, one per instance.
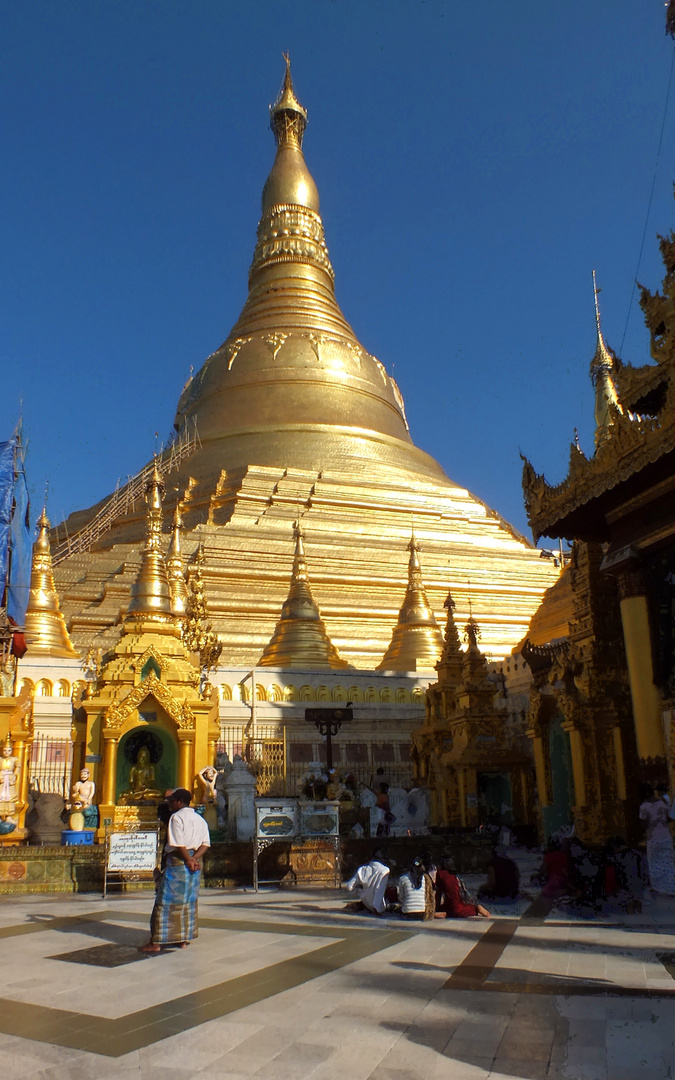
{"points": [[449, 901]]}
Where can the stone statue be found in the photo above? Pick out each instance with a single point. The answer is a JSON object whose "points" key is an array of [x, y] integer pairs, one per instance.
{"points": [[142, 780], [223, 769], [82, 803], [9, 782], [241, 788]]}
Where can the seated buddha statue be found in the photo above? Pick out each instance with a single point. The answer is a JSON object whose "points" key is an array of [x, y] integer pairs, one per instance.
{"points": [[142, 780]]}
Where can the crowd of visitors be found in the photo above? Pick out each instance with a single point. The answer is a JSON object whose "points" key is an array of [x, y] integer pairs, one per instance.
{"points": [[425, 890]]}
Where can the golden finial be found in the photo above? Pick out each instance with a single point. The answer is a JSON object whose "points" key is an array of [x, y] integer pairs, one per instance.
{"points": [[300, 639], [288, 118], [290, 182], [416, 642], [175, 567], [602, 377], [45, 628], [150, 594], [449, 666]]}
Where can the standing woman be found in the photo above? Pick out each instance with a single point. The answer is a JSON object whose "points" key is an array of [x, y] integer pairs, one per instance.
{"points": [[660, 853]]}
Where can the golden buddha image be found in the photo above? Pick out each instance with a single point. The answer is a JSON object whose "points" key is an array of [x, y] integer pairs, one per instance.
{"points": [[142, 781]]}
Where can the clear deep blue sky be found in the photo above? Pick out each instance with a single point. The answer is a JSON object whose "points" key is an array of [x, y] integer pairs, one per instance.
{"points": [[475, 161]]}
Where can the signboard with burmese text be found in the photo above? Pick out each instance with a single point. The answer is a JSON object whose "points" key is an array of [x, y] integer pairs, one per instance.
{"points": [[276, 818], [132, 852]]}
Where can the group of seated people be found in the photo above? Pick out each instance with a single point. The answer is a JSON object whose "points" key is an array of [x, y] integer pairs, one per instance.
{"points": [[426, 891], [584, 876]]}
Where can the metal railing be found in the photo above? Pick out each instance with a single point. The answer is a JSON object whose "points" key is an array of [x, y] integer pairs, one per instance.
{"points": [[124, 498], [51, 766]]}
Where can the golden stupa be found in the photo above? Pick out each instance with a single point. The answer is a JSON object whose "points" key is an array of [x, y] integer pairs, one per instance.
{"points": [[297, 421]]}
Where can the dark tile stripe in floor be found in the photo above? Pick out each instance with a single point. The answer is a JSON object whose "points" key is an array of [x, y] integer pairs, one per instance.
{"points": [[113, 1038]]}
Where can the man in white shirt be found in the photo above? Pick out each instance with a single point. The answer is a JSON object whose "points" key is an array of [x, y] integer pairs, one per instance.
{"points": [[369, 884], [173, 922]]}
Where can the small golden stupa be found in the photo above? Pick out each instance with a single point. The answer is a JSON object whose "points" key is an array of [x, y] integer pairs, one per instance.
{"points": [[295, 418], [300, 639], [45, 628]]}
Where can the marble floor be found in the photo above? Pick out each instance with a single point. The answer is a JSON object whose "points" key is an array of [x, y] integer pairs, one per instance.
{"points": [[286, 985]]}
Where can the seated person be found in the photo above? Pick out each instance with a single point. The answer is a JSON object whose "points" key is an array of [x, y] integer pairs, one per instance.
{"points": [[554, 874], [450, 903], [416, 892], [369, 884], [503, 880]]}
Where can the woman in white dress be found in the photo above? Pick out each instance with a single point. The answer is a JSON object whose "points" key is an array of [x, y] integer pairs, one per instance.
{"points": [[660, 852]]}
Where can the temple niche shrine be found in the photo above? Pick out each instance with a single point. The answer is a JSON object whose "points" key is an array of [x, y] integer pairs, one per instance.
{"points": [[291, 547]]}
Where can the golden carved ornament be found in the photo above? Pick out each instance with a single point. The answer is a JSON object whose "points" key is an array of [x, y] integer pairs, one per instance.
{"points": [[116, 715]]}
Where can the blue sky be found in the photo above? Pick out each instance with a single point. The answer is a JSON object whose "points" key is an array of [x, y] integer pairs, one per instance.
{"points": [[475, 162]]}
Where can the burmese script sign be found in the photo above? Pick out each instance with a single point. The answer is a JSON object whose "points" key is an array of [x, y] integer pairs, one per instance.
{"points": [[320, 819], [132, 852], [275, 818]]}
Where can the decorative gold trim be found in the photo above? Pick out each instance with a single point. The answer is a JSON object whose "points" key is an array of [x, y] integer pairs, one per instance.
{"points": [[182, 715]]}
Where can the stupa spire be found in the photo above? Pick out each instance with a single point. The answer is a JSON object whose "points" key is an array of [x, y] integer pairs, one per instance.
{"points": [[150, 593], [300, 639], [175, 566], [449, 666], [602, 377], [45, 628], [288, 118], [292, 358], [416, 642]]}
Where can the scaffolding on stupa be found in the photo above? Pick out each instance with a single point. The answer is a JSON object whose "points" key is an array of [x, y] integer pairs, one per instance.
{"points": [[123, 499]]}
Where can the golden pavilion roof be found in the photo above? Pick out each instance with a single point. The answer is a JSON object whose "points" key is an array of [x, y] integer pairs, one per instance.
{"points": [[635, 427], [45, 627], [300, 639], [416, 643], [296, 418]]}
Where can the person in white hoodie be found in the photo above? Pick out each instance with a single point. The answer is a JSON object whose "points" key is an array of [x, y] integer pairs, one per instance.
{"points": [[369, 884]]}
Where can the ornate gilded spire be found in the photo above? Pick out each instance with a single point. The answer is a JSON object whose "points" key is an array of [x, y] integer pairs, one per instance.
{"points": [[290, 182], [150, 594], [300, 639], [197, 634], [175, 567], [45, 627], [288, 118], [416, 642], [292, 358], [602, 376], [449, 666]]}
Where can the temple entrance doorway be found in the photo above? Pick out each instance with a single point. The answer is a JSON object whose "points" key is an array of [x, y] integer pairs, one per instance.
{"points": [[149, 748], [495, 798], [559, 812]]}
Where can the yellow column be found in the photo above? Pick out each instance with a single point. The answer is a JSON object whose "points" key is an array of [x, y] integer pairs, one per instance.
{"points": [[186, 759], [109, 769], [638, 642]]}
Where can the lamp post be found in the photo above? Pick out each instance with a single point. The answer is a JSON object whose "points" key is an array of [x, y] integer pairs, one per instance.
{"points": [[328, 722]]}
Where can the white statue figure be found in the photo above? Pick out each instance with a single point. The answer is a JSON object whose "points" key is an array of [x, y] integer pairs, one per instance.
{"points": [[81, 803], [241, 789], [368, 801], [9, 781]]}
